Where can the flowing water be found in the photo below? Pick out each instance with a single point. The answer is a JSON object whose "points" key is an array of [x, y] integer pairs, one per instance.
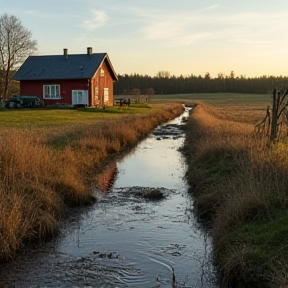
{"points": [[127, 239]]}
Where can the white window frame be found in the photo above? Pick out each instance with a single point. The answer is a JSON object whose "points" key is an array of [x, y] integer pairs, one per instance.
{"points": [[51, 91]]}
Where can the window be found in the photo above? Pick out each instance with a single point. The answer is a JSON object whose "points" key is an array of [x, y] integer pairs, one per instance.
{"points": [[51, 91], [106, 95], [96, 93]]}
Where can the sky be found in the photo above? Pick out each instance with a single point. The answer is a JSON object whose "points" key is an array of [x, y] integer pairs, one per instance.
{"points": [[182, 37]]}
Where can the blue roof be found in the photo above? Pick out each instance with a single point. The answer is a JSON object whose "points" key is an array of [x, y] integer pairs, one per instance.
{"points": [[74, 66]]}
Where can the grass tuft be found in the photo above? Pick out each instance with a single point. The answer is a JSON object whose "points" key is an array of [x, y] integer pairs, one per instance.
{"points": [[240, 186], [43, 172]]}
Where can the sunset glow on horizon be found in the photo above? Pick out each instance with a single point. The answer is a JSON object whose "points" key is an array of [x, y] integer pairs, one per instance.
{"points": [[183, 37]]}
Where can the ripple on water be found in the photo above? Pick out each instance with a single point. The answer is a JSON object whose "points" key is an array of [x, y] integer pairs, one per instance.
{"points": [[126, 239]]}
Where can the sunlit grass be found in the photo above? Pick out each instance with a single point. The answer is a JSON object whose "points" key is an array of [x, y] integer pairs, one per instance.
{"points": [[217, 99], [48, 117], [43, 172], [239, 181]]}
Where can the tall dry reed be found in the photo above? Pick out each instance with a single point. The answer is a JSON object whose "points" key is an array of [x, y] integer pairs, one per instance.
{"points": [[240, 185], [44, 172]]}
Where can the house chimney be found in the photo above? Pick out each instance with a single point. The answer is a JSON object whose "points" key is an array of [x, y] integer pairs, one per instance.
{"points": [[89, 51], [65, 52]]}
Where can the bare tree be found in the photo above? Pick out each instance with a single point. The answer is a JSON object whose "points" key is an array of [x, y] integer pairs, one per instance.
{"points": [[16, 44]]}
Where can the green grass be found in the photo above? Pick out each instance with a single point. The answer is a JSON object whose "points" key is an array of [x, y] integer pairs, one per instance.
{"points": [[266, 235], [48, 117], [262, 246], [217, 98]]}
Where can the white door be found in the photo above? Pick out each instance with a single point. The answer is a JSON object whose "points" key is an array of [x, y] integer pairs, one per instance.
{"points": [[80, 97]]}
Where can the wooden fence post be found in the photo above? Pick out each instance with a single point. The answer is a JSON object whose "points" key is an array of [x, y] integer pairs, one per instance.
{"points": [[273, 134]]}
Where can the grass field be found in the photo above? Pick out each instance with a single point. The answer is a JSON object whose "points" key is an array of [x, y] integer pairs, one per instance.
{"points": [[244, 108], [222, 99], [239, 183], [48, 117], [249, 108], [49, 159], [238, 180]]}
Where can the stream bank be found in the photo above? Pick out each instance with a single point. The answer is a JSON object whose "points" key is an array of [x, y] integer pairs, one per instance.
{"points": [[237, 183], [140, 233]]}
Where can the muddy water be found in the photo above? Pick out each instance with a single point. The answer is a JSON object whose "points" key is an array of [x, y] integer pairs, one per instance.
{"points": [[127, 239]]}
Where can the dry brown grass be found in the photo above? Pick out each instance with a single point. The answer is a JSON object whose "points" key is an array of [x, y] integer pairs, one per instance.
{"points": [[251, 114], [240, 184], [45, 171]]}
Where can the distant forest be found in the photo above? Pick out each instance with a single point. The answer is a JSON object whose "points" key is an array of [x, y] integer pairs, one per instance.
{"points": [[136, 84]]}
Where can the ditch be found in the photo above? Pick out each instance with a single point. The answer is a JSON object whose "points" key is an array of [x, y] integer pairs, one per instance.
{"points": [[140, 233]]}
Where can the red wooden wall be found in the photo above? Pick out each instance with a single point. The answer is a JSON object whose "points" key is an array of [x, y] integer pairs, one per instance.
{"points": [[35, 87]]}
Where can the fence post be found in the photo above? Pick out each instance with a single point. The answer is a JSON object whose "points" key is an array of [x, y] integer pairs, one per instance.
{"points": [[274, 116]]}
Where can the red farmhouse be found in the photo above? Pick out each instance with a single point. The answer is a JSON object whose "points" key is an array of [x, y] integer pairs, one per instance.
{"points": [[76, 79]]}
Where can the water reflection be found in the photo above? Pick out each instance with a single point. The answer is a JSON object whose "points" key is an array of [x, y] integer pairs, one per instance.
{"points": [[106, 177], [126, 240]]}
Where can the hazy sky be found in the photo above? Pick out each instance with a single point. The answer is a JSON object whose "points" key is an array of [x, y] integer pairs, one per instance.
{"points": [[184, 37]]}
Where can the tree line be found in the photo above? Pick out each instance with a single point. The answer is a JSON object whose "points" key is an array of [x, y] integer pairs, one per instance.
{"points": [[135, 84]]}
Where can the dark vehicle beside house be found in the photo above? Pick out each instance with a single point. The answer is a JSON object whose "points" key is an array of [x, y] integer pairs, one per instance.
{"points": [[24, 102]]}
